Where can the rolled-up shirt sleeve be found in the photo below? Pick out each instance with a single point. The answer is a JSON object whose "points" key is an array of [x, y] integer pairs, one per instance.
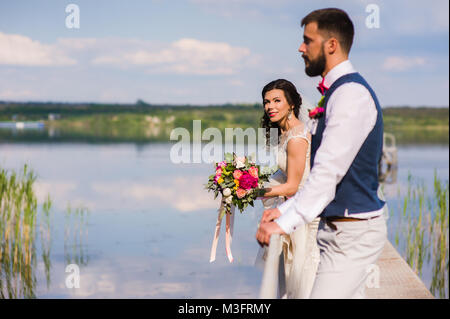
{"points": [[351, 115]]}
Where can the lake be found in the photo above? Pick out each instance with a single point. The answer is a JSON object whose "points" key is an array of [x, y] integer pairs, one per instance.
{"points": [[139, 226]]}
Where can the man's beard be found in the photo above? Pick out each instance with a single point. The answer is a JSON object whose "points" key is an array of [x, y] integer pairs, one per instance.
{"points": [[316, 67]]}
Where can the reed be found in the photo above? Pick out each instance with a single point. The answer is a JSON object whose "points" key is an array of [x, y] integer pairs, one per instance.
{"points": [[45, 236], [76, 236], [422, 232], [18, 214], [440, 245], [18, 207]]}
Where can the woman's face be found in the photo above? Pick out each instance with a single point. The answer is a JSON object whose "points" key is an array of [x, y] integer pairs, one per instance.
{"points": [[276, 105]]}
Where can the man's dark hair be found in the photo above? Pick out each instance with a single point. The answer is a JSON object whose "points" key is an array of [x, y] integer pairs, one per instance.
{"points": [[335, 22]]}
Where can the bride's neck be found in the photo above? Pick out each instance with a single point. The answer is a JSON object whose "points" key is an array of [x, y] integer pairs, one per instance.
{"points": [[286, 125]]}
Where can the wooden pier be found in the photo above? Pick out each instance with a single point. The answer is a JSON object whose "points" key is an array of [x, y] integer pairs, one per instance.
{"points": [[397, 280], [391, 278]]}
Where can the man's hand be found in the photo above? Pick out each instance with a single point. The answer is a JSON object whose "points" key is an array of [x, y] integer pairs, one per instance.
{"points": [[265, 230], [270, 214]]}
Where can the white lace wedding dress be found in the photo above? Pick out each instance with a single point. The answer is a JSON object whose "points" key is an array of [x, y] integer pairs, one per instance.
{"points": [[300, 255]]}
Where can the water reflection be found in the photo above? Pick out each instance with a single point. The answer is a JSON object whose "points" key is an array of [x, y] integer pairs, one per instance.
{"points": [[141, 226], [76, 236]]}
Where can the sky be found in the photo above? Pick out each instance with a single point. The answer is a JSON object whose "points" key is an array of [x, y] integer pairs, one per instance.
{"points": [[212, 51]]}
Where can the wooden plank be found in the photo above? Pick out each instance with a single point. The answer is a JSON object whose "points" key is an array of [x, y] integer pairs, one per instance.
{"points": [[397, 280]]}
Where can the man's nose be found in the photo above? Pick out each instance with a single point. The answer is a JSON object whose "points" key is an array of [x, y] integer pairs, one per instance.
{"points": [[302, 48]]}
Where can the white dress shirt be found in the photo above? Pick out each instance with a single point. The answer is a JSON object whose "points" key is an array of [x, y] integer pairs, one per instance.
{"points": [[350, 116]]}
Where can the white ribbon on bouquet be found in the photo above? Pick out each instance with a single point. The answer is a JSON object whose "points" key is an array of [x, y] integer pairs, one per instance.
{"points": [[228, 232]]}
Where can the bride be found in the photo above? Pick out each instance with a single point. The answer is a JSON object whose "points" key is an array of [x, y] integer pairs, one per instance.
{"points": [[300, 254]]}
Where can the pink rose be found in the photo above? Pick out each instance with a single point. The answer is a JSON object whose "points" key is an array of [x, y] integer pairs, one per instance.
{"points": [[218, 171], [247, 181], [313, 112], [240, 192], [253, 171], [317, 112], [237, 174], [222, 164]]}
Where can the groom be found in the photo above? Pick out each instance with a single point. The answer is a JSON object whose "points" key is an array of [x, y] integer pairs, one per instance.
{"points": [[346, 147]]}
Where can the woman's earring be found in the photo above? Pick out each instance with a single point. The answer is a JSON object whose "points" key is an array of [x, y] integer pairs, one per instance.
{"points": [[290, 114]]}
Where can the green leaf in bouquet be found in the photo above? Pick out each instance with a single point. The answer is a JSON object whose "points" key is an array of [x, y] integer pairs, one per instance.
{"points": [[228, 157], [216, 193]]}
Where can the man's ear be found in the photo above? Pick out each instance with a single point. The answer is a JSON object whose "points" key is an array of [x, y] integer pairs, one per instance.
{"points": [[331, 45]]}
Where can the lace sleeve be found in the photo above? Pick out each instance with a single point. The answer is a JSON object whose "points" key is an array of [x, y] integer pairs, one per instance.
{"points": [[300, 131]]}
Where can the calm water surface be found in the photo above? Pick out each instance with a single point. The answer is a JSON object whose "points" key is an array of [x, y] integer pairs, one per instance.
{"points": [[147, 224]]}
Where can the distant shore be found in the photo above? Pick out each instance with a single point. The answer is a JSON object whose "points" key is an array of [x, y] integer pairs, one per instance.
{"points": [[142, 122]]}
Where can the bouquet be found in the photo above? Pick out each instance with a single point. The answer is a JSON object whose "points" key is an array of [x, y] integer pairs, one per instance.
{"points": [[239, 180]]}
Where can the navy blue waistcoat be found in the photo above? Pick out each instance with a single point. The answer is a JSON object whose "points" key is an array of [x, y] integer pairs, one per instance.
{"points": [[357, 191]]}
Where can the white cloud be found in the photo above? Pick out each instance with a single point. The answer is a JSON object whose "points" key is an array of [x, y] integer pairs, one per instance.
{"points": [[185, 56], [56, 189], [188, 199], [78, 43], [21, 50], [399, 63], [10, 94]]}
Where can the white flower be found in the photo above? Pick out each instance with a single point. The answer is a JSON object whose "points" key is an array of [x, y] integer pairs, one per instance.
{"points": [[251, 158], [226, 192], [240, 161], [229, 199]]}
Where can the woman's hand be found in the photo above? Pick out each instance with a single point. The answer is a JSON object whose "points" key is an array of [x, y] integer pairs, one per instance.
{"points": [[270, 214]]}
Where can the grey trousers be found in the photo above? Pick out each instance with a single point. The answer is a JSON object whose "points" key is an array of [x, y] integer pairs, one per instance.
{"points": [[348, 250]]}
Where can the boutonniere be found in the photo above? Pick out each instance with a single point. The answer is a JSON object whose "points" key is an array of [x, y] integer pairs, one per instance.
{"points": [[318, 111]]}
